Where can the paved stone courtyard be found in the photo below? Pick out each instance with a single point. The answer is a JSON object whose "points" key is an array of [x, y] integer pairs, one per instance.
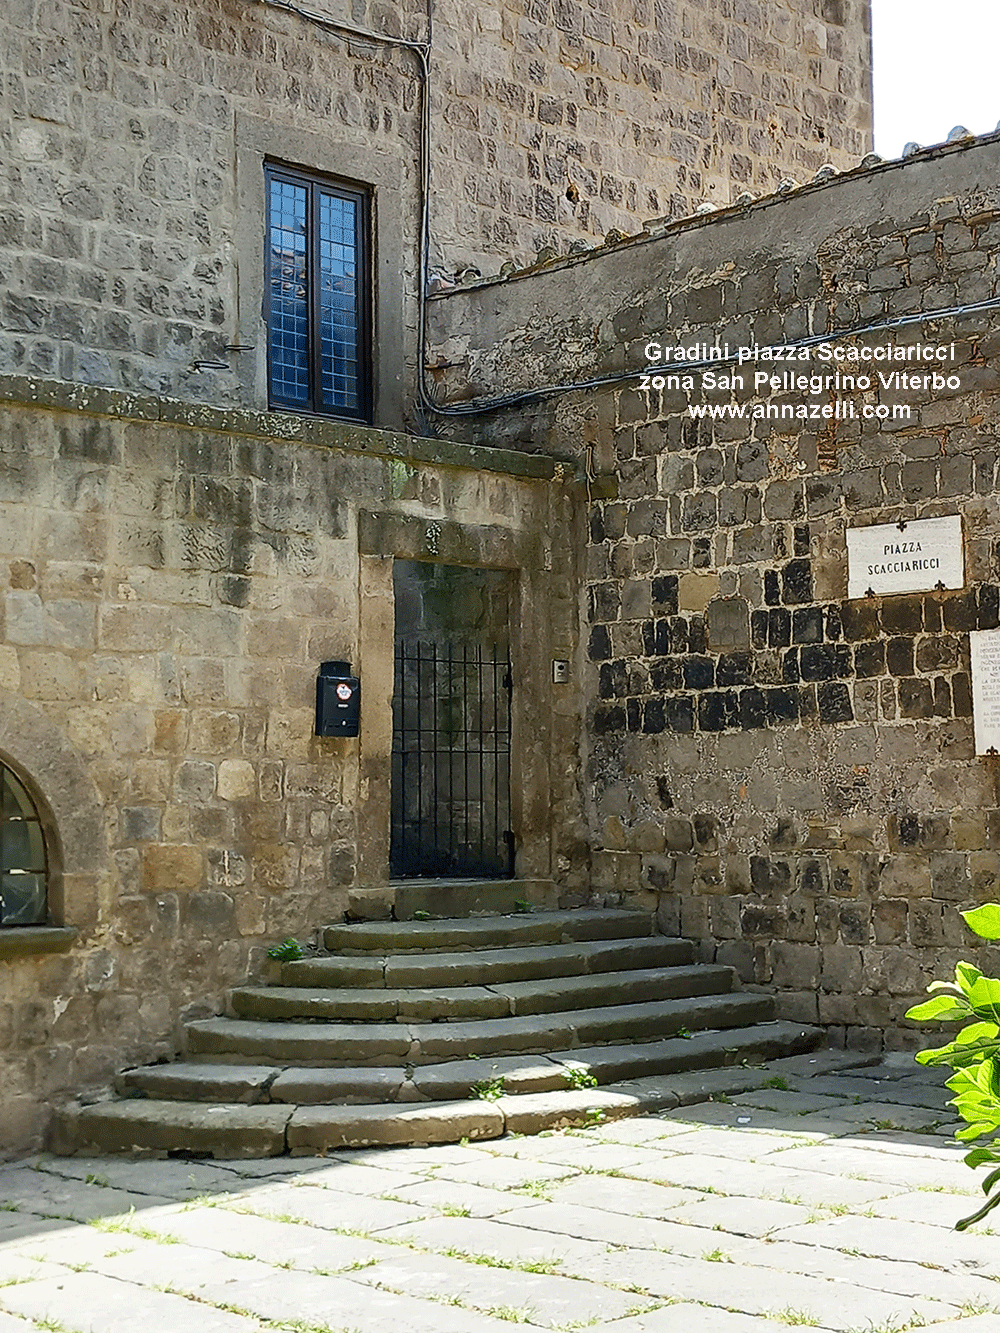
{"points": [[825, 1200]]}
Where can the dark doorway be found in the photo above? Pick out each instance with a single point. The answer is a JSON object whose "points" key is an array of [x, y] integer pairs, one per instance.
{"points": [[451, 722]]}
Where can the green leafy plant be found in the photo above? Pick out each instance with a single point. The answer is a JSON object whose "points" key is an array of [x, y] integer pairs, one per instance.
{"points": [[488, 1089], [522, 905], [287, 951], [421, 915], [973, 1000], [578, 1077]]}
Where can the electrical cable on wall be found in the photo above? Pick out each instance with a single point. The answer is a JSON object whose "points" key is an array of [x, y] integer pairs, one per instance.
{"points": [[482, 406]]}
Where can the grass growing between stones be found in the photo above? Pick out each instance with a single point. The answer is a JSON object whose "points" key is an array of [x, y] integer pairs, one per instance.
{"points": [[795, 1318], [488, 1089], [896, 1324], [126, 1225], [546, 1266]]}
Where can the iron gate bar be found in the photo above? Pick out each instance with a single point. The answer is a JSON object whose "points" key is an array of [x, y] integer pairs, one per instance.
{"points": [[443, 715]]}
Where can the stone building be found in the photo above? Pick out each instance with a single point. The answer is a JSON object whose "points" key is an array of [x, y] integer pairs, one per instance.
{"points": [[216, 445], [785, 766]]}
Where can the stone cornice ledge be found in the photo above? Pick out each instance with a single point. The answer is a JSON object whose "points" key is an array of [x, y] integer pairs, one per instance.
{"points": [[286, 427], [23, 941]]}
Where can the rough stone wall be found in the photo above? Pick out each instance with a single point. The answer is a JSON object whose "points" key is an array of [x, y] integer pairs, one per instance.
{"points": [[170, 580], [126, 216], [120, 197], [788, 773], [562, 118]]}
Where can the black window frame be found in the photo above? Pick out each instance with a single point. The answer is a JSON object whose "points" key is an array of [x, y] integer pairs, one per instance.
{"points": [[44, 869], [315, 185]]}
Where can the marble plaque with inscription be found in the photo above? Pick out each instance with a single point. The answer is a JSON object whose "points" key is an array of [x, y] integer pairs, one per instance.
{"points": [[905, 557], [985, 646]]}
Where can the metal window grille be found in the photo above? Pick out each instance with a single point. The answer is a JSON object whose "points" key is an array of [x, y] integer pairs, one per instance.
{"points": [[318, 277], [451, 762], [23, 870]]}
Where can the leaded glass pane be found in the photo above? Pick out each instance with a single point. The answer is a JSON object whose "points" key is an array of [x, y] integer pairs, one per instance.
{"points": [[22, 900], [15, 800], [289, 314], [21, 846], [22, 856], [339, 313]]}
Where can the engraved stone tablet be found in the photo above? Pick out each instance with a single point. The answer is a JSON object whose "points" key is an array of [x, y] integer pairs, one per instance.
{"points": [[985, 645], [905, 557]]}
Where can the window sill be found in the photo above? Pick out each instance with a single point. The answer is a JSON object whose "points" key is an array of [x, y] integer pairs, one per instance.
{"points": [[22, 941]]}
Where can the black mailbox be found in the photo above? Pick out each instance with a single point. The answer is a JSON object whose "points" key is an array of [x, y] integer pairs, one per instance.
{"points": [[338, 700]]}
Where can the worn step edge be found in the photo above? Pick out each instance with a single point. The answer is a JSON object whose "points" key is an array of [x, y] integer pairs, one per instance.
{"points": [[231, 1132], [315, 1043], [643, 1096], [396, 937], [500, 999], [482, 966], [318, 1129], [454, 1080], [156, 1127]]}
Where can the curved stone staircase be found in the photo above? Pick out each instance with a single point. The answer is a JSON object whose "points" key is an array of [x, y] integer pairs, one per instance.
{"points": [[432, 1031]]}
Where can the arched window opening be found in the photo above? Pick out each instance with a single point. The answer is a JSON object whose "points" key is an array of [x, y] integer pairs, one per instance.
{"points": [[23, 867]]}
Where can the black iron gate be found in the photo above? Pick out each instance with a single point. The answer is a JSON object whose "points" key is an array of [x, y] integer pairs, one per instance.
{"points": [[451, 762]]}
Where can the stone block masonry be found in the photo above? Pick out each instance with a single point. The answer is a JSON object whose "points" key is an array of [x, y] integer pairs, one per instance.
{"points": [[170, 580], [786, 772], [566, 119], [130, 184]]}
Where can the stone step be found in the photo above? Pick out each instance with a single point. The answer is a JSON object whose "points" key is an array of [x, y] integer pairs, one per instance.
{"points": [[409, 899], [454, 1080], [228, 1131], [488, 966], [319, 1043], [502, 1000], [389, 937]]}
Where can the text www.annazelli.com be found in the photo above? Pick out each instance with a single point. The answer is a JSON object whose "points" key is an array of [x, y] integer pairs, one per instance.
{"points": [[844, 409]]}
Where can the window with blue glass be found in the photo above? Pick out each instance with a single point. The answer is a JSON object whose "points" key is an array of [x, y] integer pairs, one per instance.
{"points": [[317, 295], [23, 869]]}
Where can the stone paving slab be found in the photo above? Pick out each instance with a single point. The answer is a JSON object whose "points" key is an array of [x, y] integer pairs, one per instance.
{"points": [[936, 1208], [543, 1298], [456, 1196], [986, 1323], [770, 1181], [172, 1179], [91, 1303], [872, 1164], [905, 1241], [752, 1217], [888, 1115], [630, 1197], [368, 1178], [300, 1244], [735, 1143], [722, 1218], [338, 1302], [328, 1208], [517, 1245], [833, 1304], [685, 1318], [30, 1191], [8, 1324], [504, 1172]]}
